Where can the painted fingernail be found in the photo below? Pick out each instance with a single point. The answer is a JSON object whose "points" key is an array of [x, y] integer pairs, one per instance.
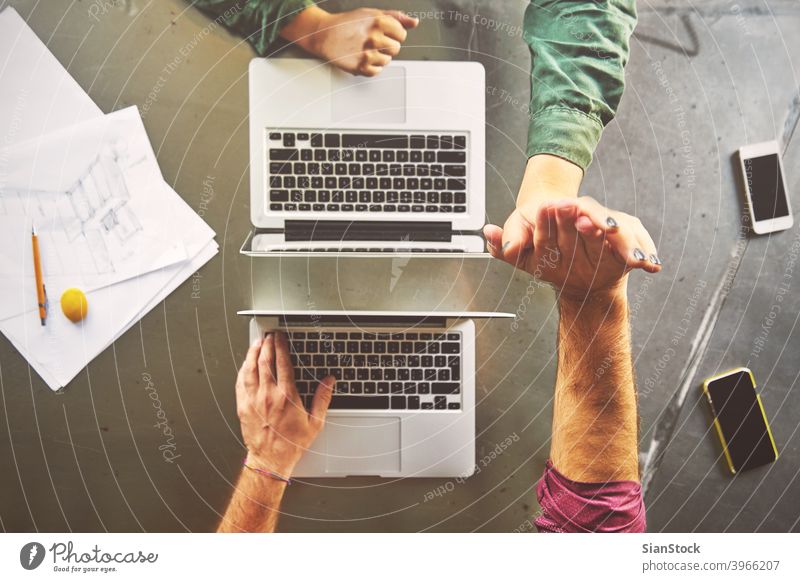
{"points": [[611, 223], [505, 245], [638, 254], [655, 260]]}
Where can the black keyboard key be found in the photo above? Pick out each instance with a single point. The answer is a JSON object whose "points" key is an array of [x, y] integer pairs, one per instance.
{"points": [[306, 155], [454, 406], [288, 140], [360, 402], [413, 403], [446, 142], [382, 387], [445, 387], [456, 184], [427, 405], [452, 157], [370, 388], [316, 140], [279, 195], [417, 142], [460, 142], [450, 348], [398, 402], [432, 142], [331, 140], [375, 141], [455, 171], [274, 135], [279, 168], [439, 402], [284, 155]]}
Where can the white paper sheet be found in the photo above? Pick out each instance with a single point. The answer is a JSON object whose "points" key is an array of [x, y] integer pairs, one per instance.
{"points": [[33, 81], [94, 192]]}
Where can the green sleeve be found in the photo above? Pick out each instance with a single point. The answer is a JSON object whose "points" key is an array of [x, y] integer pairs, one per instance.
{"points": [[258, 21], [579, 49]]}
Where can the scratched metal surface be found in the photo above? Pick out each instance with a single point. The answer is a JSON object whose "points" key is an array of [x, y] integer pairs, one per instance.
{"points": [[703, 80]]}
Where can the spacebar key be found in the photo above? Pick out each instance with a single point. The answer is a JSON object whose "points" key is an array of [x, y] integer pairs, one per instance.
{"points": [[371, 140], [360, 402]]}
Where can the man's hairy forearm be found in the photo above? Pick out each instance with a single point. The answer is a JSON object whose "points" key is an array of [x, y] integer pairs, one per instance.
{"points": [[255, 504], [595, 422]]}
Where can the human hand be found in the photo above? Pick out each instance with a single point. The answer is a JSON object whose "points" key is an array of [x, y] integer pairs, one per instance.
{"points": [[361, 41], [579, 246], [276, 427]]}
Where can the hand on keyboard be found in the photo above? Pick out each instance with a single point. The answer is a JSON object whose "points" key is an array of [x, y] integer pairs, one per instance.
{"points": [[276, 427], [360, 42], [580, 247]]}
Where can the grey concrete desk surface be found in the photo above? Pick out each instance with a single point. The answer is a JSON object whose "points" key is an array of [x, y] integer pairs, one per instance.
{"points": [[703, 80]]}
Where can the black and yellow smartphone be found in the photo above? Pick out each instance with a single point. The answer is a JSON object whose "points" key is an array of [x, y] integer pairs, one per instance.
{"points": [[740, 420]]}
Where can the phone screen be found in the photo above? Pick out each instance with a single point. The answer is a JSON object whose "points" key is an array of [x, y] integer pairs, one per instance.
{"points": [[765, 184], [741, 420]]}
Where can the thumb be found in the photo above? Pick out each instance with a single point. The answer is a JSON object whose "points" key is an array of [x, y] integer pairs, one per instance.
{"points": [[494, 239], [517, 238], [321, 402], [403, 18]]}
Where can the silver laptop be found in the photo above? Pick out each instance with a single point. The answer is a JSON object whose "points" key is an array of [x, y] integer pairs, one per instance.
{"points": [[404, 404], [393, 163]]}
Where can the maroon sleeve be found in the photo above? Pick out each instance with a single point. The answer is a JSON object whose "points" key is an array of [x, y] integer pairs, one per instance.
{"points": [[571, 506]]}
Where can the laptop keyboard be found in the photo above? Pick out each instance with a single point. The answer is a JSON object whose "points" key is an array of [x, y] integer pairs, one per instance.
{"points": [[328, 171], [380, 371]]}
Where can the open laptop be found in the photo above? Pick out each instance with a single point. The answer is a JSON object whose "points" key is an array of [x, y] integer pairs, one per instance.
{"points": [[404, 403], [393, 163]]}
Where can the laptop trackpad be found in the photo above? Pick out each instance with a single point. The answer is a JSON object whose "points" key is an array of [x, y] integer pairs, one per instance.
{"points": [[379, 99], [361, 445]]}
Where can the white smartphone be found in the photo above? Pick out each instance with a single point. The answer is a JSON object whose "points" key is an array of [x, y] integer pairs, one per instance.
{"points": [[765, 187]]}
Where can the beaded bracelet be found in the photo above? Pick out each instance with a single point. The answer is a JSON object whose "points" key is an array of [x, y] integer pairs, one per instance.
{"points": [[271, 474]]}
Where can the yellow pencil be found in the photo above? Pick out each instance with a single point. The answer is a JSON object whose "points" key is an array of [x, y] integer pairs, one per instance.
{"points": [[41, 293]]}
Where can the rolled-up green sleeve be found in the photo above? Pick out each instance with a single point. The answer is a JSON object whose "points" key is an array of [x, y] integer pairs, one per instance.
{"points": [[258, 21], [579, 49]]}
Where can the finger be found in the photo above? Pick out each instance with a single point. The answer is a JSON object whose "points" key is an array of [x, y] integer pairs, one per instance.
{"points": [[249, 370], [377, 58], [283, 359], [517, 238], [404, 19], [545, 238], [389, 46], [545, 233], [652, 264], [593, 240], [321, 402], [494, 239], [370, 70], [603, 218], [567, 236], [266, 362], [392, 28]]}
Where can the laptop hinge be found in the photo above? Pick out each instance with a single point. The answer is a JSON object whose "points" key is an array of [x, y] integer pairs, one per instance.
{"points": [[345, 230]]}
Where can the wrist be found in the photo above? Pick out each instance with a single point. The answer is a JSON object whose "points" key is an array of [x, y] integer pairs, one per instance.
{"points": [[549, 177], [304, 29], [282, 467], [603, 299]]}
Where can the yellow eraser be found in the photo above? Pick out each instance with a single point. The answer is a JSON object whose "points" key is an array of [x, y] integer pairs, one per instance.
{"points": [[74, 304]]}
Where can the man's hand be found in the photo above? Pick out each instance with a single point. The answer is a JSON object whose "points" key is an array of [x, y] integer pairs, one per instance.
{"points": [[360, 42], [577, 245], [276, 427]]}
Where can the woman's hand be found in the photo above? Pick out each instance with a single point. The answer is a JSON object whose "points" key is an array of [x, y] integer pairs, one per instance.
{"points": [[360, 42]]}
